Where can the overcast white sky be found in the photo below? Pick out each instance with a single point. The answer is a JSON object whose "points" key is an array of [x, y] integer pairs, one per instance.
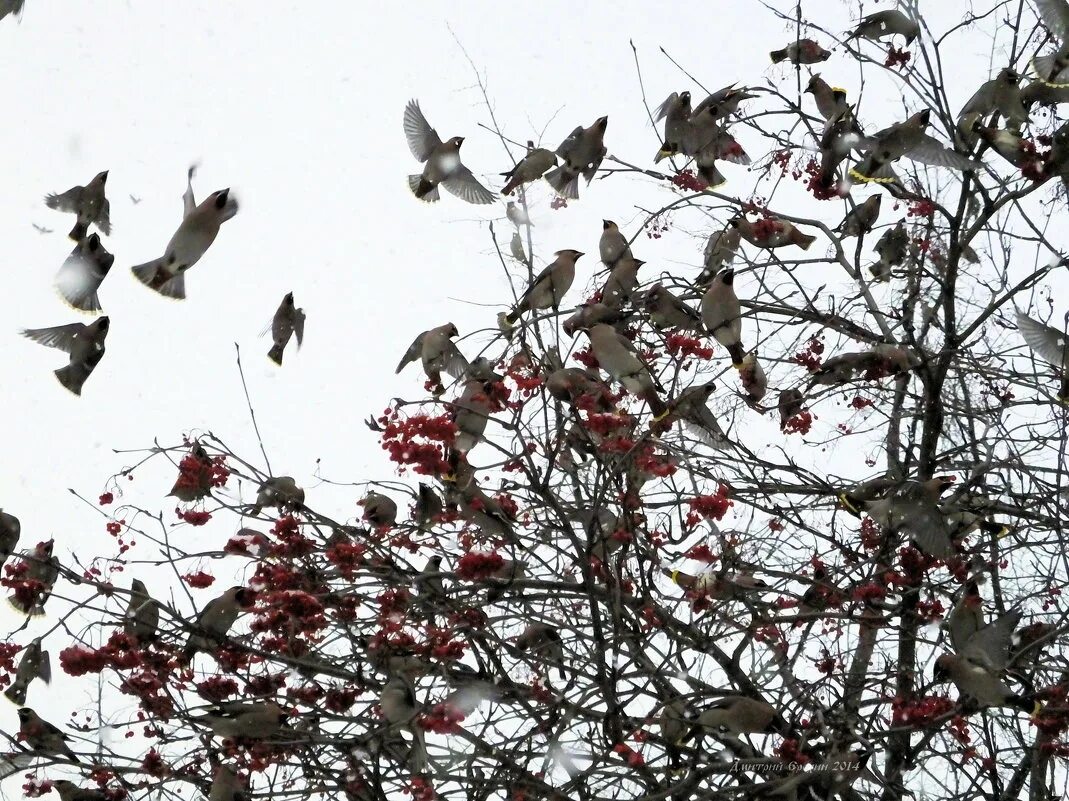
{"points": [[297, 107]]}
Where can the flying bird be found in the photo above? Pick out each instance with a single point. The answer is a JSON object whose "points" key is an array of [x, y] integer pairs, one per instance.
{"points": [[1050, 344], [442, 160], [287, 322], [82, 273], [88, 202], [84, 343], [531, 167], [582, 153]]}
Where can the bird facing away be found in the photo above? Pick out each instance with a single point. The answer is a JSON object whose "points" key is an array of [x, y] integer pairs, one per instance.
{"points": [[1051, 68], [548, 288], [194, 235], [42, 736], [142, 617], [438, 354], [442, 165], [582, 153], [82, 273], [35, 664], [530, 168], [722, 315], [287, 322], [84, 344], [88, 202]]}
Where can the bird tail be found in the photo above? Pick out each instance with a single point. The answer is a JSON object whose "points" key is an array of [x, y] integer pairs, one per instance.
{"points": [[565, 181], [778, 55], [17, 604], [1045, 70], [77, 293], [52, 201], [738, 353], [152, 275], [999, 530], [79, 231], [802, 240], [16, 694], [850, 503], [512, 183], [73, 376], [711, 175], [275, 354], [422, 189], [665, 151]]}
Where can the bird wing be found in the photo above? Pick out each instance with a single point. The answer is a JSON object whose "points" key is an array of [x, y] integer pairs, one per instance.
{"points": [[422, 138], [1050, 343], [990, 645], [931, 151], [568, 145], [59, 336], [453, 360], [665, 107], [66, 201], [983, 100], [1055, 15], [189, 202], [415, 350], [298, 326], [466, 187], [104, 217]]}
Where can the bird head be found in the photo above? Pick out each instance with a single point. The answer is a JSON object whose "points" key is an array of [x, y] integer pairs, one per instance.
{"points": [[572, 254], [220, 198], [814, 81], [924, 116], [1010, 75], [102, 176], [607, 224], [457, 141], [601, 123], [727, 276], [941, 672], [288, 299], [451, 330], [684, 97]]}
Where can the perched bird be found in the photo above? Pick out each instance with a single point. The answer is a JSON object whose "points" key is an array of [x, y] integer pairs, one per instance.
{"points": [[618, 357], [1051, 68], [667, 311], [531, 167], [752, 376], [909, 507], [803, 51], [379, 509], [582, 153], [69, 791], [428, 505], [1042, 92], [723, 102], [875, 27], [401, 709], [287, 322], [830, 101], [692, 410], [672, 721], [877, 362], [676, 112], [518, 216], [429, 581], [722, 315], [35, 664], [442, 162], [720, 250], [84, 343], [860, 219], [771, 232], [215, 620], [226, 786], [980, 658], [908, 139], [621, 282], [892, 247], [1050, 344], [1002, 94], [83, 272], [190, 241], [278, 492], [142, 618], [1009, 144], [790, 403], [438, 353], [478, 508], [589, 314], [11, 7], [42, 736], [10, 530], [717, 584], [569, 384], [251, 721], [735, 714], [548, 288], [35, 585], [88, 202], [840, 137], [544, 642], [613, 244], [470, 413]]}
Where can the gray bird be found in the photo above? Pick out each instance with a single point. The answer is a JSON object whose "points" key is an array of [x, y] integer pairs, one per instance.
{"points": [[530, 168], [142, 618], [667, 311], [1051, 68], [478, 508], [470, 413], [831, 101], [11, 7], [613, 244], [1002, 94], [215, 620], [36, 583], [82, 273], [287, 322], [544, 643], [84, 344], [840, 137], [401, 709], [722, 315], [226, 786], [582, 153], [548, 288], [35, 664], [88, 202], [190, 241], [568, 384], [10, 530], [1050, 344], [379, 509], [588, 314], [42, 736], [69, 791], [789, 404], [253, 721], [1009, 144], [722, 103], [278, 492], [437, 353], [442, 162], [428, 505], [875, 27], [618, 357], [692, 410], [893, 249], [518, 216], [719, 251], [675, 111], [734, 714], [908, 139], [621, 282], [911, 508], [753, 378], [803, 51], [860, 219]]}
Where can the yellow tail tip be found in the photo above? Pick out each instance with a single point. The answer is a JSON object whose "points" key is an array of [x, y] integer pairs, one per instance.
{"points": [[838, 89], [661, 416]]}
